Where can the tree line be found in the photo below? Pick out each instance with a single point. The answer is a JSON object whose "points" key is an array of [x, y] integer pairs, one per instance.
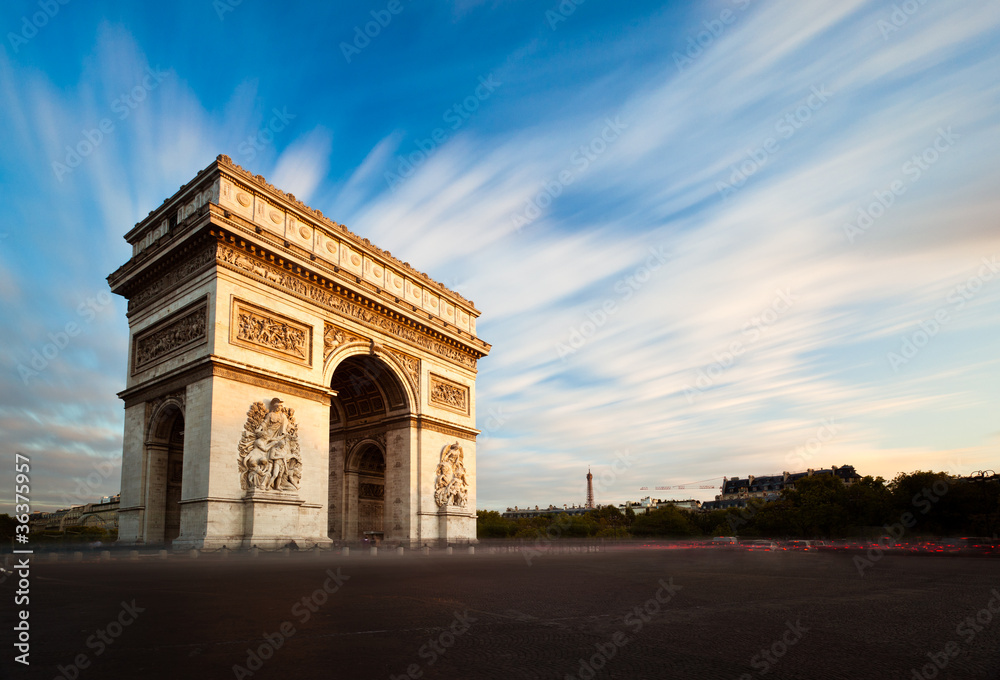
{"points": [[917, 504]]}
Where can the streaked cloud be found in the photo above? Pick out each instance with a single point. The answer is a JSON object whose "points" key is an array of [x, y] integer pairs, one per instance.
{"points": [[580, 274]]}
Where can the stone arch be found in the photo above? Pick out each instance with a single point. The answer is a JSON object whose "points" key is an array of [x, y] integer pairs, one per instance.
{"points": [[370, 417], [364, 482], [391, 362], [164, 471]]}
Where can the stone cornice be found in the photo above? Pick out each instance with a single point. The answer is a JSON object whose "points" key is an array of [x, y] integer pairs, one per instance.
{"points": [[156, 265], [193, 195], [444, 427], [210, 246], [302, 281], [217, 366]]}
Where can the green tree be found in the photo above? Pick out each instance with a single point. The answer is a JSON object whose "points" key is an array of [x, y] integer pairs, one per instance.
{"points": [[7, 525], [667, 522], [818, 507], [491, 524]]}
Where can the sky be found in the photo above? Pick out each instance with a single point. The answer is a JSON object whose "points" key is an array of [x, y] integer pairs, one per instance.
{"points": [[707, 239]]}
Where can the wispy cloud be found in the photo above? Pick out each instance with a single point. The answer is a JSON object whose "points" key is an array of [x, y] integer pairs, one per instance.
{"points": [[580, 275]]}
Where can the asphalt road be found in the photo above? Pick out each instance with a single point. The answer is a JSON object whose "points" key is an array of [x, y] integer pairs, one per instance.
{"points": [[625, 614]]}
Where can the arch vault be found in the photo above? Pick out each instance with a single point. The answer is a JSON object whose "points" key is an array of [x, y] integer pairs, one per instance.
{"points": [[288, 380]]}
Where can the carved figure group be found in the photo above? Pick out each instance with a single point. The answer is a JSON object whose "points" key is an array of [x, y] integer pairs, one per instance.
{"points": [[269, 449], [166, 340], [450, 395], [451, 486], [270, 333]]}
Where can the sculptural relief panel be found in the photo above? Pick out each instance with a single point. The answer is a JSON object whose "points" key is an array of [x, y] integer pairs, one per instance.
{"points": [[170, 337], [451, 486], [286, 280], [335, 336], [411, 365], [449, 394], [236, 198], [269, 453], [271, 333]]}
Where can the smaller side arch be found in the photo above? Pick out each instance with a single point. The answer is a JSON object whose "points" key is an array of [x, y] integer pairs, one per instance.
{"points": [[161, 420], [163, 471]]}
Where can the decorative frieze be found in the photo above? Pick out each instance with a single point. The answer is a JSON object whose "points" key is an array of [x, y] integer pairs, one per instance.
{"points": [[334, 337], [449, 394], [270, 333], [280, 278], [371, 490], [170, 337], [411, 365], [174, 277]]}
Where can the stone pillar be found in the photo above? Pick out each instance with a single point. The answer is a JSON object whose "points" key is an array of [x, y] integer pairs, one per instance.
{"points": [[156, 492]]}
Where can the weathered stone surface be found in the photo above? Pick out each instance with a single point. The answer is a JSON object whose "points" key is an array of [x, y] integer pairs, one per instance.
{"points": [[239, 295]]}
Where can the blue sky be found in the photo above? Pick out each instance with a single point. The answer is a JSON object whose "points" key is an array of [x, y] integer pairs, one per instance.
{"points": [[707, 239]]}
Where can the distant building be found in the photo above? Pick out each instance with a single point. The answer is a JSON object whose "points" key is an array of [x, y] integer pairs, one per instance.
{"points": [[648, 503], [520, 513], [103, 515], [737, 491]]}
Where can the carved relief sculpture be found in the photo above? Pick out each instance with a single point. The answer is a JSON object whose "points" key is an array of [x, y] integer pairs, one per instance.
{"points": [[169, 338], [451, 486], [241, 261], [263, 330], [334, 337], [269, 332], [449, 394], [412, 367], [269, 449]]}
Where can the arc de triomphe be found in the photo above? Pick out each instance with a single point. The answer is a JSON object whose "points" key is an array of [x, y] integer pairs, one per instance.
{"points": [[288, 380]]}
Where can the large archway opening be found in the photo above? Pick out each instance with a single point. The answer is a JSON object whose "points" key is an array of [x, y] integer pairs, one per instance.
{"points": [[365, 461], [165, 476]]}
